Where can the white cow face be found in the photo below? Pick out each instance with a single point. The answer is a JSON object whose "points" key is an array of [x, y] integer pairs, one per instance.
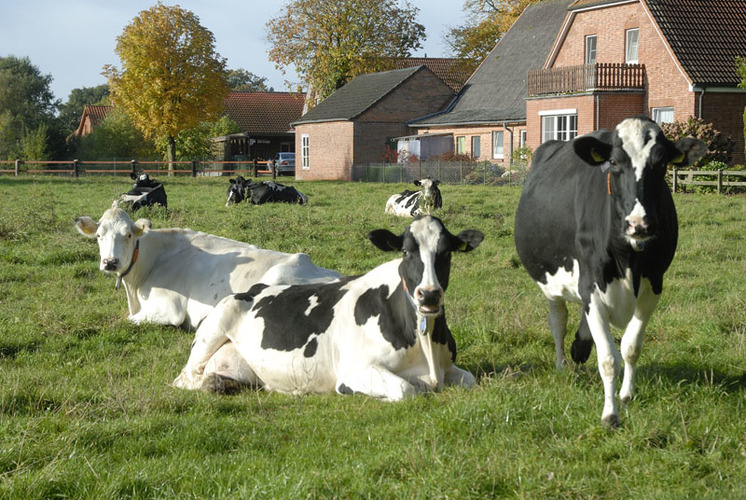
{"points": [[117, 237]]}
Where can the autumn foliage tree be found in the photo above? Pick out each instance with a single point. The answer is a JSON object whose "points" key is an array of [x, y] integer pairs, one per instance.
{"points": [[329, 42], [171, 78], [488, 21]]}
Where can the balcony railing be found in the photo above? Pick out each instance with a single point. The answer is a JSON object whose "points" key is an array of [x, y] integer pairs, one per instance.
{"points": [[585, 78]]}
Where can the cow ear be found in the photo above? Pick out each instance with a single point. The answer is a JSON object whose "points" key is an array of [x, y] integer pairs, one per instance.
{"points": [[133, 176], [386, 240], [417, 182], [592, 149], [86, 226], [142, 226], [688, 151], [467, 240]]}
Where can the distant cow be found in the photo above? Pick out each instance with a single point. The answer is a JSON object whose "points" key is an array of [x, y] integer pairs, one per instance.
{"points": [[145, 192], [410, 203], [383, 334], [274, 192], [237, 190], [176, 276], [596, 224]]}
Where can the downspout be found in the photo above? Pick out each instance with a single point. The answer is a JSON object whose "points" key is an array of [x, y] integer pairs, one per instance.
{"points": [[596, 124], [510, 130], [701, 98]]}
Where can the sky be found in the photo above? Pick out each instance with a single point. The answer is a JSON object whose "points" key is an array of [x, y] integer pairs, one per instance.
{"points": [[72, 40]]}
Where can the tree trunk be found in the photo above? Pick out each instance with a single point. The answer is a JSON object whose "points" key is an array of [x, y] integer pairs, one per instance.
{"points": [[171, 154]]}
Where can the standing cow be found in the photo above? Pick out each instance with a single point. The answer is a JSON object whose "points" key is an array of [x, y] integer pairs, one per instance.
{"points": [[411, 203], [596, 224], [383, 334]]}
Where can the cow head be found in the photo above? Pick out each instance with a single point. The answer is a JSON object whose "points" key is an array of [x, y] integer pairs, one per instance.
{"points": [[143, 181], [117, 237], [236, 190], [430, 194], [425, 268], [634, 156]]}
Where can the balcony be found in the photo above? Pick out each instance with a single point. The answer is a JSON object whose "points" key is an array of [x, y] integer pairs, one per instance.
{"points": [[599, 77]]}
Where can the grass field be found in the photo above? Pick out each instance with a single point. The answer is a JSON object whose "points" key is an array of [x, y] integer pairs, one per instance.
{"points": [[86, 410]]}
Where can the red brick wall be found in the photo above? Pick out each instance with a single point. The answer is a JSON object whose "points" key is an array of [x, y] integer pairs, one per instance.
{"points": [[330, 150], [725, 111], [484, 133]]}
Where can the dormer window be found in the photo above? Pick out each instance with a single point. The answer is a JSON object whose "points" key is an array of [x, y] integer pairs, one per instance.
{"points": [[590, 49], [632, 43]]}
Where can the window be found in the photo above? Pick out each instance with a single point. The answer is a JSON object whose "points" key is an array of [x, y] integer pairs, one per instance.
{"points": [[560, 125], [461, 145], [522, 140], [475, 146], [590, 49], [663, 115], [498, 146], [305, 151], [633, 40]]}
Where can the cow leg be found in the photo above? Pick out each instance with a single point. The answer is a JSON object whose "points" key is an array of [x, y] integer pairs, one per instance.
{"points": [[633, 337], [377, 382], [558, 327], [609, 360], [457, 376], [208, 339]]}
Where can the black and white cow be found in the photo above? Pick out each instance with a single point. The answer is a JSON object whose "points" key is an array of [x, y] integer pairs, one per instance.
{"points": [[146, 192], [411, 203], [237, 190], [383, 334], [596, 224], [274, 192]]}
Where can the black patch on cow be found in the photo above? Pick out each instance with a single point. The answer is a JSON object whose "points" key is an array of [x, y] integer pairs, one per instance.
{"points": [[287, 325], [343, 389], [396, 317], [581, 347], [249, 295], [310, 349]]}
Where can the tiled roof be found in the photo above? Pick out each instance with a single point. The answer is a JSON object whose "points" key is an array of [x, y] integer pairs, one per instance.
{"points": [[705, 35], [97, 112], [358, 95], [581, 4], [264, 112], [497, 89], [452, 71]]}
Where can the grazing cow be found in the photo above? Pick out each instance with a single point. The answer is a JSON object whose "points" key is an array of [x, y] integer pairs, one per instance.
{"points": [[383, 334], [411, 203], [146, 192], [176, 276], [274, 192], [596, 224], [237, 190]]}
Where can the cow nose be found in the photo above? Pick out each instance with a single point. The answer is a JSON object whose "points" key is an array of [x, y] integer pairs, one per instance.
{"points": [[111, 264], [637, 227], [429, 299]]}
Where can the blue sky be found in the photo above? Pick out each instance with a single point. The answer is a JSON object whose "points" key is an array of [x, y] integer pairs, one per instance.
{"points": [[72, 40]]}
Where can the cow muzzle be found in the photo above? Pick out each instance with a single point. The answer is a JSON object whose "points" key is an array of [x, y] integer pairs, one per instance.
{"points": [[110, 264], [429, 300]]}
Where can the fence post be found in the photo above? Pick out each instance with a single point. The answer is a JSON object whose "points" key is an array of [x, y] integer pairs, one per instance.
{"points": [[194, 168], [720, 180], [255, 167], [133, 167], [18, 167], [675, 178], [76, 167]]}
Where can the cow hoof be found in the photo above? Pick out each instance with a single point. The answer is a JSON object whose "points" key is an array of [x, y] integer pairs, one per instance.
{"points": [[213, 383], [580, 350], [611, 421]]}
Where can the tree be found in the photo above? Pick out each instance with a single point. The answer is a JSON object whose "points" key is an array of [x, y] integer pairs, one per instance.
{"points": [[331, 41], [489, 21], [240, 80], [72, 110], [171, 77], [27, 106], [114, 138], [194, 144]]}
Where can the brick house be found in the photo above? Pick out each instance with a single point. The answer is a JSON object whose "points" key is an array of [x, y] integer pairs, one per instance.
{"points": [[487, 121], [353, 125], [666, 59], [91, 117]]}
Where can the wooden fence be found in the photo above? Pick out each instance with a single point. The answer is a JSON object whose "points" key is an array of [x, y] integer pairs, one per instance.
{"points": [[722, 178], [77, 168]]}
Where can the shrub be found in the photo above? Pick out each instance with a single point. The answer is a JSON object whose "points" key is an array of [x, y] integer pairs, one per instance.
{"points": [[719, 146]]}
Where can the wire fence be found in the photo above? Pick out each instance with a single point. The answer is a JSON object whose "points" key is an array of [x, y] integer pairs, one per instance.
{"points": [[447, 172]]}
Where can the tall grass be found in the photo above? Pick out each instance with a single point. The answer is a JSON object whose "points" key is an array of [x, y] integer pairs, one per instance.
{"points": [[86, 410]]}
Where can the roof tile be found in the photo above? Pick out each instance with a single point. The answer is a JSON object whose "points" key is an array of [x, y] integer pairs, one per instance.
{"points": [[264, 112]]}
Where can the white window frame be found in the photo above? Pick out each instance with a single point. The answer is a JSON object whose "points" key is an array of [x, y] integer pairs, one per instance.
{"points": [[632, 47], [461, 145], [663, 114], [498, 144], [560, 124], [590, 52], [305, 152], [522, 139], [476, 146]]}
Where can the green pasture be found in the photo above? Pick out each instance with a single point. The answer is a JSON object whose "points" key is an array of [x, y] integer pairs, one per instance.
{"points": [[86, 410]]}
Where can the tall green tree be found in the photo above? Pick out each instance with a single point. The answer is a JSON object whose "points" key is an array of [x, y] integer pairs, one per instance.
{"points": [[171, 78], [329, 42], [240, 80], [115, 137], [488, 21], [27, 107], [72, 110]]}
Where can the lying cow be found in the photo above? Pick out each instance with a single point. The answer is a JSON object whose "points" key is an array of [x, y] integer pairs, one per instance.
{"points": [[237, 190], [176, 276], [274, 192], [596, 224], [411, 203], [146, 192], [383, 334]]}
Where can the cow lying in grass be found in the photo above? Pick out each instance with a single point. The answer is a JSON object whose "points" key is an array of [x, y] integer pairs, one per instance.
{"points": [[259, 193], [383, 334], [146, 192], [411, 203]]}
